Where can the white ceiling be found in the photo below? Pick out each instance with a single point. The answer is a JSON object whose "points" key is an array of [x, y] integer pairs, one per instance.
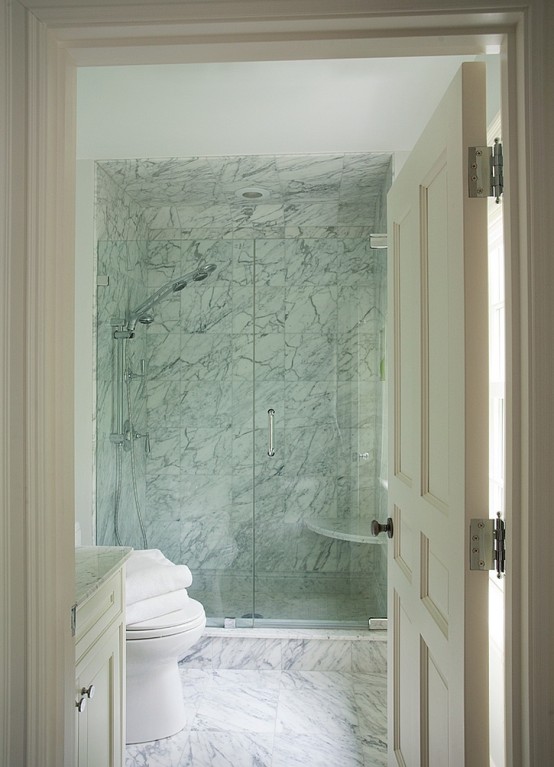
{"points": [[291, 107]]}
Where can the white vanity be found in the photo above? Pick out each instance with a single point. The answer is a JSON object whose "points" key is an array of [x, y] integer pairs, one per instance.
{"points": [[100, 655]]}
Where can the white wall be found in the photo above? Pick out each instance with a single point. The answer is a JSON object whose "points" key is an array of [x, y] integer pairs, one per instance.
{"points": [[286, 107]]}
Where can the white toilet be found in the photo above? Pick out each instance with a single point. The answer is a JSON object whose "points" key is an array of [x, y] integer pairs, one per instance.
{"points": [[155, 705]]}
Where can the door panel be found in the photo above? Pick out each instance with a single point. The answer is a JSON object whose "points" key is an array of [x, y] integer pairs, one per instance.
{"points": [[438, 441]]}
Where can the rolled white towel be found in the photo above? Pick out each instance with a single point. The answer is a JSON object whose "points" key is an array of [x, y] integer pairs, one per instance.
{"points": [[147, 609], [150, 574]]}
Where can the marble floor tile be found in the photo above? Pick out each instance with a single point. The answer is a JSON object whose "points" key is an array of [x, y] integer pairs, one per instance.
{"points": [[158, 753], [275, 718], [309, 705], [225, 749], [246, 702], [299, 750]]}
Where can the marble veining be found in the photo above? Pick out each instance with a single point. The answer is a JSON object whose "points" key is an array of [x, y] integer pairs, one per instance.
{"points": [[292, 318], [274, 718], [94, 565]]}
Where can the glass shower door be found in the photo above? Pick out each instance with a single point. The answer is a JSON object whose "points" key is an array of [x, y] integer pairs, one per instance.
{"points": [[319, 309]]}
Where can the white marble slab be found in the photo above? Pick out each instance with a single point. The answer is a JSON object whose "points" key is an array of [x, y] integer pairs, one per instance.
{"points": [[94, 565]]}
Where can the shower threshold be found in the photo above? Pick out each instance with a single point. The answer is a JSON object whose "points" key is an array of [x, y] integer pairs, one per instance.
{"points": [[250, 624]]}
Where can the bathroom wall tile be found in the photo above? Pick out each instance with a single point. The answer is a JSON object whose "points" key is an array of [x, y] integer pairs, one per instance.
{"points": [[310, 403], [258, 215], [311, 309], [317, 655], [163, 400], [357, 310], [270, 262], [357, 212], [205, 357], [311, 213], [206, 309], [311, 451], [327, 232], [312, 177], [357, 263], [243, 263], [163, 359], [309, 357], [307, 496], [228, 749], [204, 404], [215, 214], [369, 657], [235, 173], [164, 456], [312, 261], [161, 217], [205, 451], [240, 653], [162, 259], [269, 357]]}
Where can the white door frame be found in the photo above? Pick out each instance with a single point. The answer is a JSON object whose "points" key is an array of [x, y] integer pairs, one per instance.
{"points": [[41, 42]]}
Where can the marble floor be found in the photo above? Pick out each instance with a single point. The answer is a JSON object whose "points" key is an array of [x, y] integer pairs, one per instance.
{"points": [[275, 718]]}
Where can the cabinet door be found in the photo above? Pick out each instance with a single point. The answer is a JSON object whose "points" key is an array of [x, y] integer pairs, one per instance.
{"points": [[99, 725]]}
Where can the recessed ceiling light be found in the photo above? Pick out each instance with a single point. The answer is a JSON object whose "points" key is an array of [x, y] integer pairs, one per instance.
{"points": [[253, 193]]}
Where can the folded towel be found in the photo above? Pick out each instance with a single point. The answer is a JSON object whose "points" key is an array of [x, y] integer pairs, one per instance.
{"points": [[147, 609], [149, 574]]}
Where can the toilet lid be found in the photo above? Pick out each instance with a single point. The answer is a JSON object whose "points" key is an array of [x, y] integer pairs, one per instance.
{"points": [[192, 613]]}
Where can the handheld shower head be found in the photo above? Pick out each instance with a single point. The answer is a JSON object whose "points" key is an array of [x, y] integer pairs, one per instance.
{"points": [[142, 313]]}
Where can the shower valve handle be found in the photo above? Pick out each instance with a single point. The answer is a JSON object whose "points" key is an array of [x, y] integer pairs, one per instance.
{"points": [[146, 438]]}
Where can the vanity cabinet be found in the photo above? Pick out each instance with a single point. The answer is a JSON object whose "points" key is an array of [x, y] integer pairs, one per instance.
{"points": [[100, 675]]}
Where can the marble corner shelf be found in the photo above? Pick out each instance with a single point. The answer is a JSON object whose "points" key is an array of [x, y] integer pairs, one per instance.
{"points": [[355, 530]]}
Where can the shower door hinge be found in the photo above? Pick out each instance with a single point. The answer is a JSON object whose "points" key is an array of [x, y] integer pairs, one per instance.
{"points": [[485, 167], [377, 624], [487, 545]]}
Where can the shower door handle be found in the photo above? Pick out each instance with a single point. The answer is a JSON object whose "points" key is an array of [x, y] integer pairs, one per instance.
{"points": [[270, 417]]}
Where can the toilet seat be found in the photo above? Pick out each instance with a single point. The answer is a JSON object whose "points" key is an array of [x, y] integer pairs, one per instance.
{"points": [[187, 618]]}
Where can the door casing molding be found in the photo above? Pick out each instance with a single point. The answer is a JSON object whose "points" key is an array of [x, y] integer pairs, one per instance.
{"points": [[44, 41]]}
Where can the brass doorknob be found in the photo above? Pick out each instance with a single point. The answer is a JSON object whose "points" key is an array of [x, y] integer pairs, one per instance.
{"points": [[378, 527]]}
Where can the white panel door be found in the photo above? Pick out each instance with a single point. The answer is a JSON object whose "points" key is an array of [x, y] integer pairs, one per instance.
{"points": [[438, 462]]}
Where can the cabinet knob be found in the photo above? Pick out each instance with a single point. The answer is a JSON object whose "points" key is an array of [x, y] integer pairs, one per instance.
{"points": [[88, 691], [81, 704]]}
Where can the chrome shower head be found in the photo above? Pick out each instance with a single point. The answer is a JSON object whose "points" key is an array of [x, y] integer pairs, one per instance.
{"points": [[142, 313]]}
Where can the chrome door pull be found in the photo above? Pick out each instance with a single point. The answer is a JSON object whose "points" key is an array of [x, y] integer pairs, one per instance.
{"points": [[270, 416]]}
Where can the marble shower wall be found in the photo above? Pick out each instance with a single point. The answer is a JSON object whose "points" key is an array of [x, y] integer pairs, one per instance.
{"points": [[292, 319]]}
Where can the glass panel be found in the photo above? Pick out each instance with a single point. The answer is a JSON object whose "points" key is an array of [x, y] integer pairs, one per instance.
{"points": [[290, 319], [319, 320], [174, 465]]}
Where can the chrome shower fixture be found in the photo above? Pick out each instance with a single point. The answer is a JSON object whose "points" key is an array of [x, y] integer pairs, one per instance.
{"points": [[142, 312]]}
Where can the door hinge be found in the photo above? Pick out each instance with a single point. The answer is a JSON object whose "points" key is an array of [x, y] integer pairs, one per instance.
{"points": [[486, 171], [488, 545]]}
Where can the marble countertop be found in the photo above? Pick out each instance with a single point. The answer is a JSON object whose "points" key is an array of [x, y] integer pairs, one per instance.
{"points": [[94, 565]]}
